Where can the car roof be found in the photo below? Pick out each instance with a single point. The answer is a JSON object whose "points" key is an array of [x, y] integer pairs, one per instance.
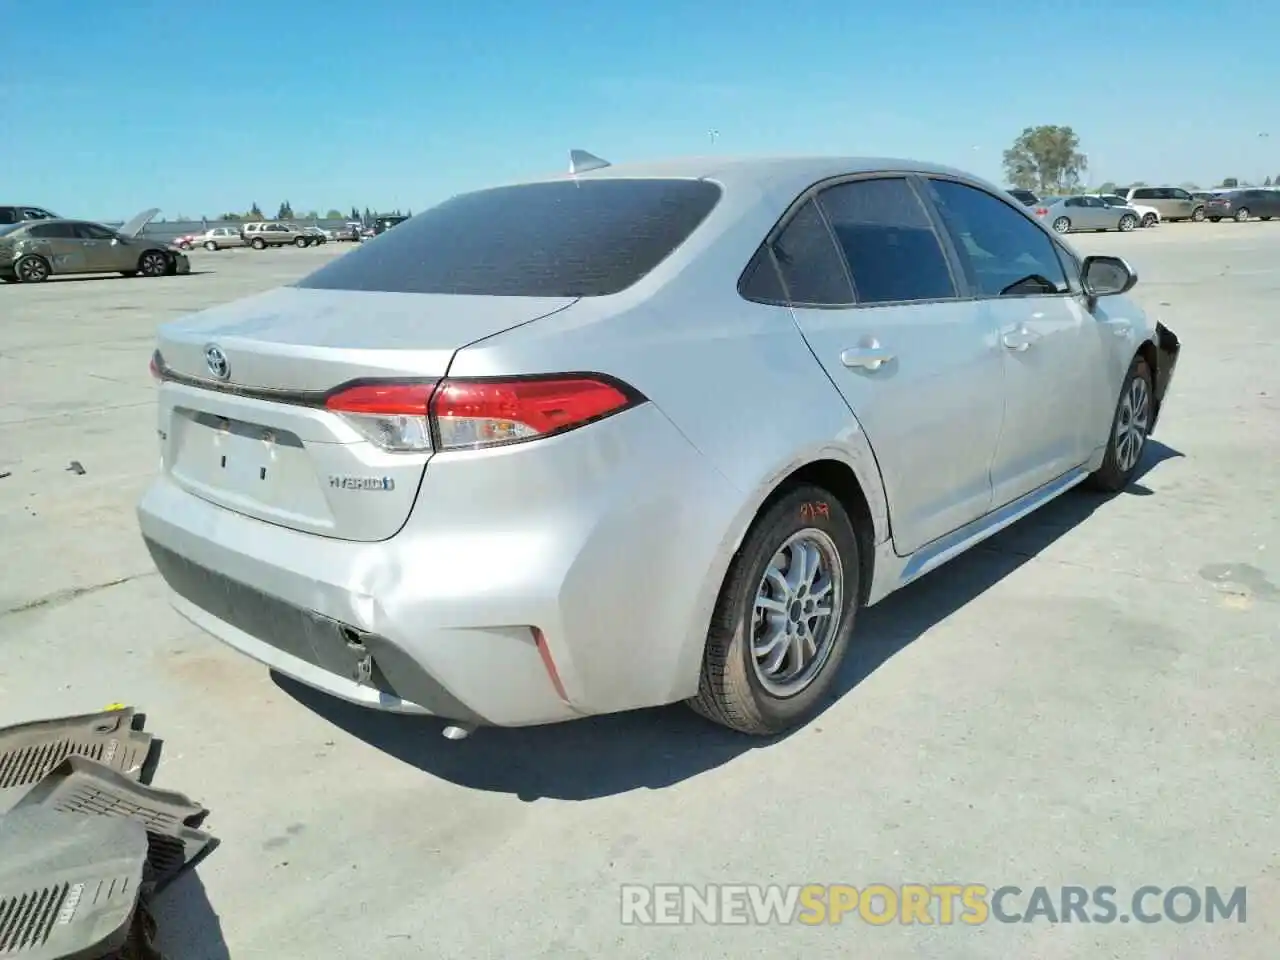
{"points": [[790, 175]]}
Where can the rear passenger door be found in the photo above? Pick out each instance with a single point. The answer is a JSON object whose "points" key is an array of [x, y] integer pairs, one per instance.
{"points": [[871, 286], [1049, 348], [60, 245]]}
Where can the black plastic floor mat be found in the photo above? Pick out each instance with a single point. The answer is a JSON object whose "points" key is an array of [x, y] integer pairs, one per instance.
{"points": [[114, 739], [170, 819], [69, 885]]}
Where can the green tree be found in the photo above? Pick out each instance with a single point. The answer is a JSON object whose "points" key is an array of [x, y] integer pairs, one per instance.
{"points": [[1230, 183], [1045, 158], [1189, 185], [285, 212], [255, 212], [355, 213], [333, 214], [1267, 182], [1108, 187]]}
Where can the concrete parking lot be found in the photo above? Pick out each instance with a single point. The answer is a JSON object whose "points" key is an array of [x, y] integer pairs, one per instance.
{"points": [[1089, 699]]}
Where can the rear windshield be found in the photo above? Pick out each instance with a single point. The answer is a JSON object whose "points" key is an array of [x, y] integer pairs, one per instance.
{"points": [[584, 238]]}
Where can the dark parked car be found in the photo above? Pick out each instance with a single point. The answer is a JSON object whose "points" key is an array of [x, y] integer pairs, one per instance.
{"points": [[1240, 205], [20, 214], [383, 224], [1025, 197]]}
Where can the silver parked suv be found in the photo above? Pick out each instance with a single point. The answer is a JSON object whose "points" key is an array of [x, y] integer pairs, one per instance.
{"points": [[273, 234], [1173, 203]]}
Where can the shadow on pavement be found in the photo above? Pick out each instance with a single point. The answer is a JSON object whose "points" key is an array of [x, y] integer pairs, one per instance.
{"points": [[603, 756], [187, 925]]}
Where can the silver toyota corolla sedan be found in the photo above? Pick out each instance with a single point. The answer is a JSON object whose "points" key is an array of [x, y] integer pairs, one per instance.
{"points": [[636, 434], [1076, 213]]}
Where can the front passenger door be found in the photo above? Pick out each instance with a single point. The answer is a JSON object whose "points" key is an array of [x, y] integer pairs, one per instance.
{"points": [[1050, 351], [96, 242]]}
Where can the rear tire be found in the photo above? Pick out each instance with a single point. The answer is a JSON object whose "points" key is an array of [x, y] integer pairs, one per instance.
{"points": [[801, 551], [258, 243], [1242, 215], [211, 246], [1149, 220], [1198, 214], [301, 242], [1215, 219], [1130, 427], [1264, 218], [1062, 225], [32, 269]]}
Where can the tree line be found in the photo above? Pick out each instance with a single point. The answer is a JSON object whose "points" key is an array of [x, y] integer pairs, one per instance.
{"points": [[286, 212], [1048, 160]]}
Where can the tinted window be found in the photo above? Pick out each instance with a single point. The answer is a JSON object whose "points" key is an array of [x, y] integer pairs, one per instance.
{"points": [[1144, 193], [569, 238], [809, 262], [91, 231], [8, 215], [760, 281], [1178, 194], [888, 241], [53, 231], [1004, 253]]}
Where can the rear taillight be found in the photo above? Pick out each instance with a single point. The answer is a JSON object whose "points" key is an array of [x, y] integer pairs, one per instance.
{"points": [[1042, 211], [471, 414], [390, 415], [157, 365]]}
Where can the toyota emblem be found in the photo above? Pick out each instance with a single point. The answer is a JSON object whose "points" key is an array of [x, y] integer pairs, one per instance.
{"points": [[217, 361]]}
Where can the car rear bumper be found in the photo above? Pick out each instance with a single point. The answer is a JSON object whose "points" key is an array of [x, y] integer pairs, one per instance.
{"points": [[531, 584]]}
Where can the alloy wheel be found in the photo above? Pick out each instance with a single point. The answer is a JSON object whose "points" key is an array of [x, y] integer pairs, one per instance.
{"points": [[797, 612], [1131, 424]]}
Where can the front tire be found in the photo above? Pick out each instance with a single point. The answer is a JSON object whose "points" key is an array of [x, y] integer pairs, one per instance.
{"points": [[1149, 220], [1127, 222], [1242, 215], [258, 243], [1130, 427], [1197, 214], [1062, 225], [784, 616], [153, 263], [301, 242], [211, 246]]}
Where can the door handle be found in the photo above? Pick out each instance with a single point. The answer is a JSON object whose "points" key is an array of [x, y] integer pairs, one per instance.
{"points": [[868, 358], [1018, 340]]}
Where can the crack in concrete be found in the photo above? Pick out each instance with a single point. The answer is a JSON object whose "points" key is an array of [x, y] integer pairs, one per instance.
{"points": [[60, 598]]}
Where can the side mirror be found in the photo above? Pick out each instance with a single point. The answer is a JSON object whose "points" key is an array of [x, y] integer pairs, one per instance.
{"points": [[1107, 276]]}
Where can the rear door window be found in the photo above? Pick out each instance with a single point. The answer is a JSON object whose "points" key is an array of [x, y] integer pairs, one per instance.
{"points": [[811, 267], [1144, 193], [888, 241], [53, 231], [567, 238], [8, 215]]}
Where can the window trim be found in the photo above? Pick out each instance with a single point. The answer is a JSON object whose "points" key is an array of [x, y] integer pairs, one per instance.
{"points": [[913, 178], [1074, 289]]}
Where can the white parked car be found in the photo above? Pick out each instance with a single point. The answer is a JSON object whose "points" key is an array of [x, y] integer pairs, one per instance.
{"points": [[1147, 216]]}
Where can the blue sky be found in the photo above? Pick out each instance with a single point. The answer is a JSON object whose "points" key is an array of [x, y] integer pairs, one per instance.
{"points": [[202, 107]]}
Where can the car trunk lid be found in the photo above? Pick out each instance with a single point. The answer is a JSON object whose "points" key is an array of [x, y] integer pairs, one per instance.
{"points": [[242, 420]]}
